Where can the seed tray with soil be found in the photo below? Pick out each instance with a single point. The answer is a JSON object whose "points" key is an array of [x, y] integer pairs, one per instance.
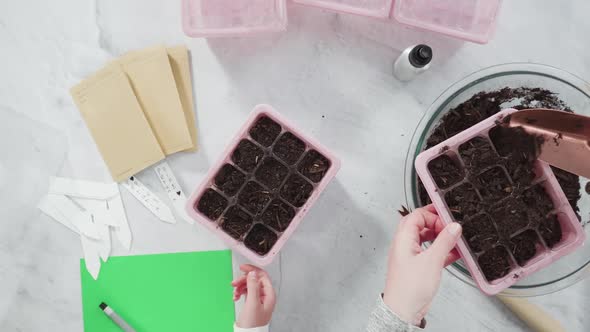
{"points": [[516, 218], [257, 194]]}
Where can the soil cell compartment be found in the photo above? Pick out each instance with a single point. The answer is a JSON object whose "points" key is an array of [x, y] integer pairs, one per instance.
{"points": [[254, 197], [494, 184], [314, 166], [229, 179], [278, 215], [516, 143], [495, 263], [510, 217], [265, 131], [538, 202], [212, 204], [478, 154], [445, 171], [296, 190], [247, 155], [550, 230], [236, 222], [480, 233], [289, 148], [260, 239], [271, 173], [463, 201], [524, 246]]}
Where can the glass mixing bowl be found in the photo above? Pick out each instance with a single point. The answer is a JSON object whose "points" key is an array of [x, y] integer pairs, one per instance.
{"points": [[571, 89]]}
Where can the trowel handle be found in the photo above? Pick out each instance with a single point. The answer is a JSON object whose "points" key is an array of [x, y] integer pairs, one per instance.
{"points": [[536, 318]]}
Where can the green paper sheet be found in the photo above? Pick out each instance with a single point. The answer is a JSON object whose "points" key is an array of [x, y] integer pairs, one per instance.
{"points": [[184, 292]]}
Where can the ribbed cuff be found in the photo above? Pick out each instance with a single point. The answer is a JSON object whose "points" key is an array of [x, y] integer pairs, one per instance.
{"points": [[383, 319], [253, 329]]}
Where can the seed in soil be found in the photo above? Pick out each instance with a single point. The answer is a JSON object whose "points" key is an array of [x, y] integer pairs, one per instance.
{"points": [[296, 190], [271, 173], [278, 215], [538, 202], [445, 171], [265, 131], [212, 204], [289, 148], [510, 217], [524, 246], [236, 222], [229, 179], [494, 184], [463, 201], [480, 233], [550, 230], [247, 155], [478, 154], [495, 263], [314, 166], [254, 197], [260, 239]]}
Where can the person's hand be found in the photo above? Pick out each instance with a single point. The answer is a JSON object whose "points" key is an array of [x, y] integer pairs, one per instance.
{"points": [[414, 274], [260, 297]]}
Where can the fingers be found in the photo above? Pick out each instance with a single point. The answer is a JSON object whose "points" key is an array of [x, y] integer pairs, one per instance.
{"points": [[269, 299], [452, 257], [239, 281], [246, 268], [408, 233], [253, 284], [445, 242]]}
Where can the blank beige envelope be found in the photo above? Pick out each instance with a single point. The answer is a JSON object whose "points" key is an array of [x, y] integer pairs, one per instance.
{"points": [[181, 68], [151, 77], [113, 115]]}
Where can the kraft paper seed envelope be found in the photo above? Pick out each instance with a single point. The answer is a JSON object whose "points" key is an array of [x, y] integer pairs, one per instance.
{"points": [[179, 61], [150, 74], [115, 119]]}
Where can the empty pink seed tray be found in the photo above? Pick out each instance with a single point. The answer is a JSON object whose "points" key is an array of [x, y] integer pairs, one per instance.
{"points": [[370, 8], [472, 20], [516, 219], [257, 194], [226, 18]]}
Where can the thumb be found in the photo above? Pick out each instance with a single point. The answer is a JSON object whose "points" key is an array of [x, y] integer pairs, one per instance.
{"points": [[445, 242], [253, 284]]}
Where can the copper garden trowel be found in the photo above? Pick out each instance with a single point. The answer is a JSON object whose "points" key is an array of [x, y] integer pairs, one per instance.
{"points": [[567, 137]]}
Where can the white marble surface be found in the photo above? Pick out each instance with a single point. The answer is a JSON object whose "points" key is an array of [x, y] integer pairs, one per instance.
{"points": [[329, 73]]}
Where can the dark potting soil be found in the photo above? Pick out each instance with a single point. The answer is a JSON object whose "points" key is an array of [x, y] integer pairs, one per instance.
{"points": [[524, 246], [289, 148], [493, 184], [229, 179], [463, 201], [247, 155], [236, 222], [478, 153], [495, 263], [265, 131], [254, 197], [550, 230], [260, 239], [588, 188], [480, 233], [278, 215], [212, 204], [271, 173], [314, 166], [296, 190], [445, 171]]}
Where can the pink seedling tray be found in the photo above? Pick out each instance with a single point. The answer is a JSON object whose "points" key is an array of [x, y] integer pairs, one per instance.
{"points": [[369, 8], [471, 20], [229, 18], [573, 235], [261, 111]]}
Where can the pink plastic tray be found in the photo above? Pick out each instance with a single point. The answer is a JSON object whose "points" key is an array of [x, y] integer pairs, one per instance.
{"points": [[573, 235], [369, 8], [226, 18], [209, 183], [472, 20]]}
